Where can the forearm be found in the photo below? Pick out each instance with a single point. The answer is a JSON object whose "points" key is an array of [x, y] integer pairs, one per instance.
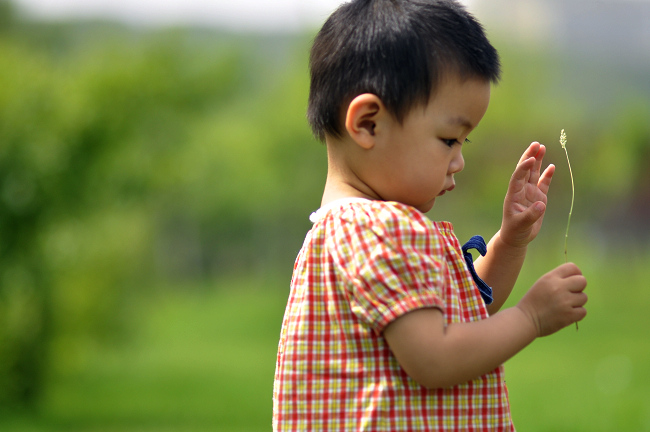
{"points": [[500, 268], [474, 349], [464, 351]]}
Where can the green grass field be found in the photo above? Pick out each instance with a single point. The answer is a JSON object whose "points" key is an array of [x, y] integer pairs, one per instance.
{"points": [[203, 360]]}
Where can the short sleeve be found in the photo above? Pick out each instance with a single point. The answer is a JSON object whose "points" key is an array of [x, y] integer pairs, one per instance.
{"points": [[391, 262]]}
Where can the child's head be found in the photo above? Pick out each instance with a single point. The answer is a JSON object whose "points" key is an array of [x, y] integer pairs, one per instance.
{"points": [[398, 50]]}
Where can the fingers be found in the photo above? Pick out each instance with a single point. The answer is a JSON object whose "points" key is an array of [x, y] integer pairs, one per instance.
{"points": [[531, 152], [575, 283], [544, 182], [572, 276], [526, 173], [579, 311], [537, 166], [534, 150], [557, 299], [522, 173], [530, 165], [567, 270], [579, 314], [579, 300]]}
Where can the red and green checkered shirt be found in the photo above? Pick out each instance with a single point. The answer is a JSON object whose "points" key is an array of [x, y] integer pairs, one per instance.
{"points": [[362, 265]]}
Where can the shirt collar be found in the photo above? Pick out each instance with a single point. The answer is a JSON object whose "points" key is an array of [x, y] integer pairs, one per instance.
{"points": [[321, 212]]}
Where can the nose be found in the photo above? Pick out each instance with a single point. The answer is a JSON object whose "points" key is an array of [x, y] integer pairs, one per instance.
{"points": [[457, 163]]}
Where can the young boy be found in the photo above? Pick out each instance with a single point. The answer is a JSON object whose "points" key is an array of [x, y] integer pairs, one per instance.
{"points": [[388, 327]]}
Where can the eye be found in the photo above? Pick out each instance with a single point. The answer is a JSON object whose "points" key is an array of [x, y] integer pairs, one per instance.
{"points": [[451, 142]]}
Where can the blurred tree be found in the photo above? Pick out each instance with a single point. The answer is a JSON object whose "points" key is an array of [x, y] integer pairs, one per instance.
{"points": [[7, 15], [83, 132], [23, 274]]}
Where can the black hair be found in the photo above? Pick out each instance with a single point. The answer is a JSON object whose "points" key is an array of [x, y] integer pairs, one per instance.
{"points": [[396, 49]]}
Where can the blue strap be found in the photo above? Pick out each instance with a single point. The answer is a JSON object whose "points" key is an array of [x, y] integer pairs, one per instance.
{"points": [[477, 243]]}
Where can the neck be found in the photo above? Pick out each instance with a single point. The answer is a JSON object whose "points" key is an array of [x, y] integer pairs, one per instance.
{"points": [[343, 182]]}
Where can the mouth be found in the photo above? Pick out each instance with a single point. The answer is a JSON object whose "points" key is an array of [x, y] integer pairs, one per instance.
{"points": [[449, 189]]}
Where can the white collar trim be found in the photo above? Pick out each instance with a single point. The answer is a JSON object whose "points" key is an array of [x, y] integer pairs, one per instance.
{"points": [[321, 212]]}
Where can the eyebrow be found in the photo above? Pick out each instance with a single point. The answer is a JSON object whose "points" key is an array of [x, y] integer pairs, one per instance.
{"points": [[462, 121]]}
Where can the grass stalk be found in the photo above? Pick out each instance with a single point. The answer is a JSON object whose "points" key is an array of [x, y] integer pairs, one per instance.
{"points": [[573, 194]]}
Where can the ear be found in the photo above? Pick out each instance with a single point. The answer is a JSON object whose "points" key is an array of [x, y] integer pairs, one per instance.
{"points": [[364, 114]]}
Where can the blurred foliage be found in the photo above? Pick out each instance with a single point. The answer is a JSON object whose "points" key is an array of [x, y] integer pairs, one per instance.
{"points": [[126, 158], [131, 159]]}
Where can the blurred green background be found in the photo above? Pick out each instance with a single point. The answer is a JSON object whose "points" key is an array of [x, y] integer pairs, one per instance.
{"points": [[155, 187]]}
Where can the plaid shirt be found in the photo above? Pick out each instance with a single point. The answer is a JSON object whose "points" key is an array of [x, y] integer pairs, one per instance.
{"points": [[362, 265]]}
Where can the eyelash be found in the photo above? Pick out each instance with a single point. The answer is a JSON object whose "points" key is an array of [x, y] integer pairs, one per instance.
{"points": [[451, 142]]}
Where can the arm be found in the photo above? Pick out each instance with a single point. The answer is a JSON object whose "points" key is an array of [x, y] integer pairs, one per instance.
{"points": [[439, 356], [523, 213]]}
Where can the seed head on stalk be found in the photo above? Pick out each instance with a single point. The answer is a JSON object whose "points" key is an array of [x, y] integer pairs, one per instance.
{"points": [[573, 193]]}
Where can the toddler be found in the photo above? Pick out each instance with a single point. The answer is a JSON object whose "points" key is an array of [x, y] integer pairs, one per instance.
{"points": [[389, 325]]}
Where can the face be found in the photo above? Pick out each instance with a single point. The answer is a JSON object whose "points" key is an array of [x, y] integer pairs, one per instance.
{"points": [[415, 162]]}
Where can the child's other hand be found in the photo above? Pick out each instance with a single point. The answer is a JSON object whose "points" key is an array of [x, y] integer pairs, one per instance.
{"points": [[525, 202], [556, 300]]}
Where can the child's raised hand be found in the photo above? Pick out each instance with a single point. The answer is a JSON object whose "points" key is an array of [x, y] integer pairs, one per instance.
{"points": [[525, 202], [556, 300]]}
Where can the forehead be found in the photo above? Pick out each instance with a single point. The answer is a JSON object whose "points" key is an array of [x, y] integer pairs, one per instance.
{"points": [[459, 102]]}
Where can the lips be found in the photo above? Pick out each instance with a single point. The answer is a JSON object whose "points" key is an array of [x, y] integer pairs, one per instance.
{"points": [[449, 189]]}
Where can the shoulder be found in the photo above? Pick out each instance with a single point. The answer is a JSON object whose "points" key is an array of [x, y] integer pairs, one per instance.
{"points": [[388, 214], [390, 224]]}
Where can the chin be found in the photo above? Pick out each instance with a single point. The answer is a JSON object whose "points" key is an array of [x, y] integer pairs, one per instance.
{"points": [[424, 208]]}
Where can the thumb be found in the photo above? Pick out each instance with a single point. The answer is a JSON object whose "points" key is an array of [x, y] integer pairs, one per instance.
{"points": [[533, 213], [539, 208]]}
